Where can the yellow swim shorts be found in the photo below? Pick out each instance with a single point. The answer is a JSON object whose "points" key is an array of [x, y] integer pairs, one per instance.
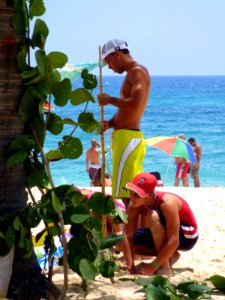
{"points": [[128, 151]]}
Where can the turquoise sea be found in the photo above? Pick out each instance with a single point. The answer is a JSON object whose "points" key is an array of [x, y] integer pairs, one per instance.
{"points": [[194, 106]]}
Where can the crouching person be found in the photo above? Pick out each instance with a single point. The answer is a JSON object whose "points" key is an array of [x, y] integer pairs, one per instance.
{"points": [[167, 226]]}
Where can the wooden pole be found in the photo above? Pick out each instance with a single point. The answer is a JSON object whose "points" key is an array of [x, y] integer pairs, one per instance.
{"points": [[102, 147]]}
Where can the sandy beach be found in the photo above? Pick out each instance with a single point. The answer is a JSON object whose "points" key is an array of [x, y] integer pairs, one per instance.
{"points": [[204, 260]]}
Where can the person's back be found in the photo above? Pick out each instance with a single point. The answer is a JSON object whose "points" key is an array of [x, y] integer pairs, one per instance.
{"points": [[93, 156]]}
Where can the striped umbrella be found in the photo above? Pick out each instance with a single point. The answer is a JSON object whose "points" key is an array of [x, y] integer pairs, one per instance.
{"points": [[173, 146]]}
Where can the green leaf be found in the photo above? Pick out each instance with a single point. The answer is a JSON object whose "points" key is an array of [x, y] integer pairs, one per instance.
{"points": [[80, 96], [17, 224], [23, 142], [218, 281], [123, 216], [56, 60], [54, 123], [76, 198], [88, 270], [87, 122], [40, 57], [38, 177], [71, 148], [74, 246], [107, 269], [10, 237], [89, 249], [62, 91], [193, 289], [54, 78], [39, 127], [32, 216], [155, 293], [37, 8], [79, 218], [89, 80], [100, 204], [20, 19], [97, 234], [40, 33], [17, 158], [74, 263], [69, 121], [56, 202], [21, 59], [54, 155], [26, 105], [143, 281], [110, 241], [29, 74]]}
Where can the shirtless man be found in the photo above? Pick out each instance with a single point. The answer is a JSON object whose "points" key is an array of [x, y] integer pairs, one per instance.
{"points": [[92, 156], [168, 226], [128, 144], [195, 168]]}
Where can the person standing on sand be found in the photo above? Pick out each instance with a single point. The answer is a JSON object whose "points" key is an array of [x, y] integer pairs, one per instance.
{"points": [[128, 145], [195, 168], [92, 157], [169, 226], [182, 169]]}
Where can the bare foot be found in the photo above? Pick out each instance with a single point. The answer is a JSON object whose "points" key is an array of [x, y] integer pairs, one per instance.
{"points": [[165, 269], [174, 258]]}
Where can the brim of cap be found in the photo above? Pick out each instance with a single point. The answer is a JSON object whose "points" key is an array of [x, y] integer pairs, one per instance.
{"points": [[141, 193]]}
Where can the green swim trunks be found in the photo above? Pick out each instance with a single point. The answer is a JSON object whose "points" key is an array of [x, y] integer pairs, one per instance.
{"points": [[128, 151]]}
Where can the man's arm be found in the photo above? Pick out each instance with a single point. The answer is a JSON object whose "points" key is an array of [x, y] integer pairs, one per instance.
{"points": [[108, 124], [171, 214], [130, 228], [124, 245]]}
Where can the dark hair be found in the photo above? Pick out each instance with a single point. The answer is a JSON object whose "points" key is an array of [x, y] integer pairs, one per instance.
{"points": [[124, 51], [191, 140], [107, 175]]}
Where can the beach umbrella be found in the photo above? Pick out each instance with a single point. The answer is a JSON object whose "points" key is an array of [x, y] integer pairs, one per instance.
{"points": [[173, 146]]}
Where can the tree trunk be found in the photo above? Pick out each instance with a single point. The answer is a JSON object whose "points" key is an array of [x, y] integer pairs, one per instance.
{"points": [[12, 180]]}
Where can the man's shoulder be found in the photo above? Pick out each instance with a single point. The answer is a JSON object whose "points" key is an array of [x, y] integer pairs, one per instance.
{"points": [[138, 71]]}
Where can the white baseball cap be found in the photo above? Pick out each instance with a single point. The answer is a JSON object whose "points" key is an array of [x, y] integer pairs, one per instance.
{"points": [[113, 46]]}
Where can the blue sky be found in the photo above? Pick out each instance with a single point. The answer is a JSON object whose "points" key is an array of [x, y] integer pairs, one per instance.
{"points": [[169, 37]]}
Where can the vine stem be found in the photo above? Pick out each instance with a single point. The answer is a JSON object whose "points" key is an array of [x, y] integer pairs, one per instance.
{"points": [[102, 146], [60, 216]]}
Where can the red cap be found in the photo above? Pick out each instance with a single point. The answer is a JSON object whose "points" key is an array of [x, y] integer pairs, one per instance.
{"points": [[143, 184]]}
